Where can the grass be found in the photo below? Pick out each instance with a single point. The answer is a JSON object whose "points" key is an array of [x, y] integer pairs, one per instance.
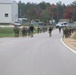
{"points": [[6, 32]]}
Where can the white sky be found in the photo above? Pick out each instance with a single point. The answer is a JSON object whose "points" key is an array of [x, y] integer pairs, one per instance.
{"points": [[50, 1]]}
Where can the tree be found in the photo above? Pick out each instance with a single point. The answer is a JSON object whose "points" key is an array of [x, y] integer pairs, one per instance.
{"points": [[74, 15], [43, 9], [53, 11], [60, 10], [45, 16], [21, 9], [42, 5], [31, 12], [68, 13], [73, 4]]}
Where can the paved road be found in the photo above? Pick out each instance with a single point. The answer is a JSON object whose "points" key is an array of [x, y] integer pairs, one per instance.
{"points": [[40, 55]]}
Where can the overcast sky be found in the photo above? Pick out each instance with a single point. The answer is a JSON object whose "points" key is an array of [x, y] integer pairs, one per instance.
{"points": [[50, 1]]}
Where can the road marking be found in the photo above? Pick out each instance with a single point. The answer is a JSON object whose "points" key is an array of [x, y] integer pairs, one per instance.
{"points": [[68, 47]]}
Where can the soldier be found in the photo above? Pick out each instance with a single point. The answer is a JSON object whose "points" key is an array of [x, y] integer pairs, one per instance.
{"points": [[24, 31], [59, 29], [38, 29], [50, 30], [28, 31], [31, 28], [16, 31], [65, 32]]}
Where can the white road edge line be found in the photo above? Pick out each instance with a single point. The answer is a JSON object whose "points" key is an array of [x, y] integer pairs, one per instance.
{"points": [[68, 47]]}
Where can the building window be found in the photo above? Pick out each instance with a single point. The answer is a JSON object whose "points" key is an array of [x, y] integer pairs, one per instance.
{"points": [[6, 15]]}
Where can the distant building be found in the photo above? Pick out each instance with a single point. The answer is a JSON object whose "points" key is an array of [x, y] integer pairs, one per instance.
{"points": [[64, 20], [8, 11]]}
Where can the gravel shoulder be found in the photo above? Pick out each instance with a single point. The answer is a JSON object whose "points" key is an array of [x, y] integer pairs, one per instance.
{"points": [[71, 42]]}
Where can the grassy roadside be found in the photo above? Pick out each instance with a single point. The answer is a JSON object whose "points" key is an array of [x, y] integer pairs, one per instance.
{"points": [[71, 42], [6, 32]]}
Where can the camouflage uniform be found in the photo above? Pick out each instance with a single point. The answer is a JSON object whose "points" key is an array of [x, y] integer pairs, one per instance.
{"points": [[50, 30], [66, 32], [16, 31], [24, 31], [38, 30], [31, 28], [59, 29]]}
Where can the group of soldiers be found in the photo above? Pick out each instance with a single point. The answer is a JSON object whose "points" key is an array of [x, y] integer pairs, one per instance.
{"points": [[67, 31], [28, 31], [24, 30]]}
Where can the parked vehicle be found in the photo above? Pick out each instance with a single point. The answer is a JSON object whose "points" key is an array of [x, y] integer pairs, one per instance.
{"points": [[61, 24], [17, 23]]}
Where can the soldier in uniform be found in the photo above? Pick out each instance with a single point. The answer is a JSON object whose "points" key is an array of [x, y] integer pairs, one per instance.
{"points": [[16, 31], [65, 32], [38, 30], [59, 29], [50, 31], [31, 28], [24, 31]]}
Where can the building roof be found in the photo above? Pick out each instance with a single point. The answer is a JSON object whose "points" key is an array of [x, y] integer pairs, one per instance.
{"points": [[6, 1]]}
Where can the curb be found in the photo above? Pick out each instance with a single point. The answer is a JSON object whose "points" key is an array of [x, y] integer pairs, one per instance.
{"points": [[68, 46]]}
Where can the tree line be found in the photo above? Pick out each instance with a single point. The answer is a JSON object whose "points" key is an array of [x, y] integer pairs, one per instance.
{"points": [[45, 11]]}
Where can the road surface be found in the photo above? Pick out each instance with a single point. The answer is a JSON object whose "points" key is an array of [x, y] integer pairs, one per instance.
{"points": [[40, 55]]}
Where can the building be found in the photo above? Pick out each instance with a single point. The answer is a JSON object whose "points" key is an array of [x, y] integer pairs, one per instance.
{"points": [[64, 20], [8, 11]]}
